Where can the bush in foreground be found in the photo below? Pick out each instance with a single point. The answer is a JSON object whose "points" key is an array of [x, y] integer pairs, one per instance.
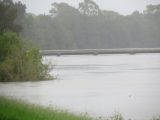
{"points": [[20, 61]]}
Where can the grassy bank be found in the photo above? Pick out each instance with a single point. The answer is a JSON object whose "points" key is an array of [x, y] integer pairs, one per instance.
{"points": [[16, 110]]}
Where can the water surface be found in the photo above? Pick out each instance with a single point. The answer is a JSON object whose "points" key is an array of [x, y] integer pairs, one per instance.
{"points": [[99, 85]]}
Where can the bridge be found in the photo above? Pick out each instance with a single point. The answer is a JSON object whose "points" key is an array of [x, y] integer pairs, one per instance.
{"points": [[100, 51]]}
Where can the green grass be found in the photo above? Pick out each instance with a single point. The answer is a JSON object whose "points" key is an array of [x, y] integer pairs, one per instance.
{"points": [[11, 109], [18, 110]]}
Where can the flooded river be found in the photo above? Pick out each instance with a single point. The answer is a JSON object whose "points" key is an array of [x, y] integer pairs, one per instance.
{"points": [[99, 85]]}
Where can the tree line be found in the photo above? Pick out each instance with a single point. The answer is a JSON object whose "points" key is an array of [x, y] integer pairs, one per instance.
{"points": [[89, 27]]}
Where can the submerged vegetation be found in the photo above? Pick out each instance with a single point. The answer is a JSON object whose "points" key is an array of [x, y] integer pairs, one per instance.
{"points": [[19, 60]]}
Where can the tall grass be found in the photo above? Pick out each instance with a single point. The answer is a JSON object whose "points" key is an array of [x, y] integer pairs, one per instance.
{"points": [[17, 110]]}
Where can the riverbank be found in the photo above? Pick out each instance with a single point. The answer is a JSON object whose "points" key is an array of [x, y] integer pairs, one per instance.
{"points": [[18, 110], [11, 109]]}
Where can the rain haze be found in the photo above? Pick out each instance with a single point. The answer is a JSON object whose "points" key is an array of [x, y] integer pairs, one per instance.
{"points": [[123, 7], [90, 57]]}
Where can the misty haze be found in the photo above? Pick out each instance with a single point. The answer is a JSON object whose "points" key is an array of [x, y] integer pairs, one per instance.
{"points": [[79, 60], [89, 27]]}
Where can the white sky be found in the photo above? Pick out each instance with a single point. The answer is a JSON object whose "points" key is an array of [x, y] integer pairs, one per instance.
{"points": [[121, 6]]}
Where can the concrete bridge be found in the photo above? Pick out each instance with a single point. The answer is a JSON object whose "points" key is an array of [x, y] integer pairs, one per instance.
{"points": [[100, 51]]}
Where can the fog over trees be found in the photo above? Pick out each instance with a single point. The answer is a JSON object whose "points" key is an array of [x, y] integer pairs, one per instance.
{"points": [[89, 27]]}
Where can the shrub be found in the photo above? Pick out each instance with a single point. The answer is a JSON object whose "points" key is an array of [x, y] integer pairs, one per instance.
{"points": [[20, 61]]}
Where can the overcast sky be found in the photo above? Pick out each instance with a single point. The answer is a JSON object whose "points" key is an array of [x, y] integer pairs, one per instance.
{"points": [[121, 6]]}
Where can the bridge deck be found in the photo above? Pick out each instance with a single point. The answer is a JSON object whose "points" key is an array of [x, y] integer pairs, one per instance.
{"points": [[100, 51]]}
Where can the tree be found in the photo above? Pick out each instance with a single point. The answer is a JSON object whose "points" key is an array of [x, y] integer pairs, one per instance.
{"points": [[152, 9], [90, 27], [9, 14], [88, 7], [16, 56], [64, 25], [19, 61]]}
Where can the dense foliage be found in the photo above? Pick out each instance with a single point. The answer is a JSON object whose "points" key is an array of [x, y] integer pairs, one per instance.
{"points": [[19, 61], [90, 27], [10, 14]]}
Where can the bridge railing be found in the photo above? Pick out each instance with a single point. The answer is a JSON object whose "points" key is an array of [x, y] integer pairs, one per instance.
{"points": [[100, 51]]}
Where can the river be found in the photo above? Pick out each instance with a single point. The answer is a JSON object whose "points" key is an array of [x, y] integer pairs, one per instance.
{"points": [[98, 85]]}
